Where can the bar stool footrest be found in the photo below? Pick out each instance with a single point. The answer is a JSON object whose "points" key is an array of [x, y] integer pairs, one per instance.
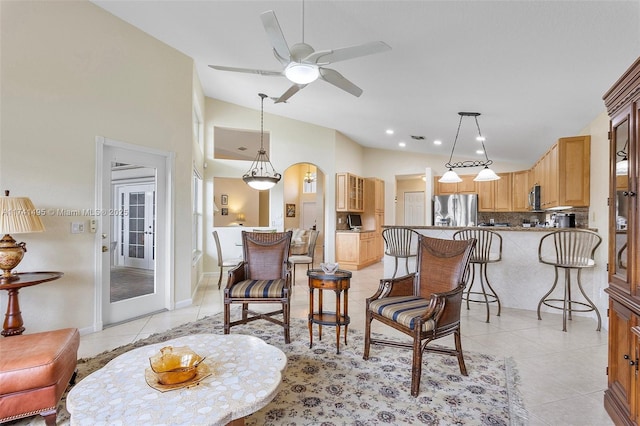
{"points": [[588, 308], [490, 297]]}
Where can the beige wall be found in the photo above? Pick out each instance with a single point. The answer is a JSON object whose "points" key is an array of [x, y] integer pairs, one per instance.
{"points": [[241, 198], [70, 72]]}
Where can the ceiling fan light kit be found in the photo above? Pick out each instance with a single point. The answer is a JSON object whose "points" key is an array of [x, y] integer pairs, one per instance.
{"points": [[261, 175], [300, 73], [486, 174]]}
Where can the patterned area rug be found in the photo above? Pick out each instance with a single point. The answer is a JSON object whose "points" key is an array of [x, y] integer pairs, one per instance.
{"points": [[321, 387]]}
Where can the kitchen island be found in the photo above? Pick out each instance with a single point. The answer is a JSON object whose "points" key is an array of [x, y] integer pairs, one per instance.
{"points": [[519, 279]]}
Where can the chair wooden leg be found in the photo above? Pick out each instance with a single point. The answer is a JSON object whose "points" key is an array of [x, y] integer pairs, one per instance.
{"points": [[367, 334], [220, 278], [286, 313], [49, 417], [416, 367], [458, 342], [227, 318]]}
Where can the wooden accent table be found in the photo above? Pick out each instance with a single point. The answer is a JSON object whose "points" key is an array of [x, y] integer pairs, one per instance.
{"points": [[13, 323], [339, 281]]}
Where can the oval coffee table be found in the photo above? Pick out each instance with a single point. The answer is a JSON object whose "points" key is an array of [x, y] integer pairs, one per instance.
{"points": [[246, 373]]}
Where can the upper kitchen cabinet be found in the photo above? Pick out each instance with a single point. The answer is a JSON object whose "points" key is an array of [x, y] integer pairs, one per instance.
{"points": [[467, 186], [349, 193], [563, 173], [495, 195], [520, 188]]}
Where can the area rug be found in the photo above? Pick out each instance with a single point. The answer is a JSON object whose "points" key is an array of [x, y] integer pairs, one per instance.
{"points": [[321, 387]]}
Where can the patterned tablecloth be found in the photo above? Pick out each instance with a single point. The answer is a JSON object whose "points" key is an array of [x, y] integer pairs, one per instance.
{"points": [[246, 373]]}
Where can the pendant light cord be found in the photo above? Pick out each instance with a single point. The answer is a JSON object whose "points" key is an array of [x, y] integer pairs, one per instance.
{"points": [[455, 141], [482, 140]]}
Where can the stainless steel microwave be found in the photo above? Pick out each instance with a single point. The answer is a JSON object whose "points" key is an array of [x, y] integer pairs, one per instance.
{"points": [[534, 199]]}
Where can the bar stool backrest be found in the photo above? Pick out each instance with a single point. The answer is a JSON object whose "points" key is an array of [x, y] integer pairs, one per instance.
{"points": [[400, 242], [488, 247], [573, 248]]}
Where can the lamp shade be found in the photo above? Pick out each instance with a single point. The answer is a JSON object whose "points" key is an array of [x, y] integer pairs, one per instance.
{"points": [[260, 183], [450, 177], [486, 175], [18, 215]]}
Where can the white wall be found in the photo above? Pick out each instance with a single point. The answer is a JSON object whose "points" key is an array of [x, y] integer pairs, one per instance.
{"points": [[599, 211], [70, 72]]}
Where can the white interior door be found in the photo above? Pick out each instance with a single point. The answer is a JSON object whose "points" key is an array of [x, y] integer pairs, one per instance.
{"points": [[414, 208], [132, 283]]}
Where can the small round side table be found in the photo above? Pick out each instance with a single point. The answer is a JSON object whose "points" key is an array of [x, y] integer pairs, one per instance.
{"points": [[339, 281], [13, 323]]}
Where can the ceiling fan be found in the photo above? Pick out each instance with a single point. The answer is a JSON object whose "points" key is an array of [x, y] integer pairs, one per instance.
{"points": [[302, 64]]}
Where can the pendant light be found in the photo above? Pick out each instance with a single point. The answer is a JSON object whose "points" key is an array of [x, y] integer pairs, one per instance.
{"points": [[308, 176], [485, 175], [261, 175]]}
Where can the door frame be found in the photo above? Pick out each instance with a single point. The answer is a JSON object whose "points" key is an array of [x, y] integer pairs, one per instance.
{"points": [[165, 257]]}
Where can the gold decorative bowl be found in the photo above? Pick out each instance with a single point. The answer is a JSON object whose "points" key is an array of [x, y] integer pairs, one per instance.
{"points": [[175, 365]]}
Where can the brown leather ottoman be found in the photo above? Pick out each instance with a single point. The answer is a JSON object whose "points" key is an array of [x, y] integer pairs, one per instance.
{"points": [[35, 370]]}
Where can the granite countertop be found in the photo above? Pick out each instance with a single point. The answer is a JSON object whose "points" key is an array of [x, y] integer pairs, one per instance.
{"points": [[355, 232], [492, 228]]}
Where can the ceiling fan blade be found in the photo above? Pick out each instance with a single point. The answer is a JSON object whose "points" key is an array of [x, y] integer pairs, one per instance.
{"points": [[246, 70], [324, 57], [290, 92], [335, 78], [275, 35]]}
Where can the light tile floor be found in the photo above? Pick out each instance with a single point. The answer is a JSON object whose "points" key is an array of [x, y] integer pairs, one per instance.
{"points": [[562, 374]]}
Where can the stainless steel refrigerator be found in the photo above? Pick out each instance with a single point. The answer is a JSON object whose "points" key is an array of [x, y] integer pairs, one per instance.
{"points": [[455, 210]]}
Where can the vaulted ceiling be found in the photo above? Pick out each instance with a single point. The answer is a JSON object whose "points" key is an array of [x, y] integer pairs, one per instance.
{"points": [[535, 70]]}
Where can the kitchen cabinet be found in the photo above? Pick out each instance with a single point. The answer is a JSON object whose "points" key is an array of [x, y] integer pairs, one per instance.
{"points": [[622, 396], [520, 188], [373, 217], [355, 250], [349, 193], [495, 195], [563, 173], [467, 186]]}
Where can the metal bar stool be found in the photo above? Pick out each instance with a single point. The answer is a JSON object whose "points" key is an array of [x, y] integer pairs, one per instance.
{"points": [[488, 250], [400, 243], [569, 249]]}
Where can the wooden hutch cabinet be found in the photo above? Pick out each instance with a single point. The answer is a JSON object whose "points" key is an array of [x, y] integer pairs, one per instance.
{"points": [[622, 397]]}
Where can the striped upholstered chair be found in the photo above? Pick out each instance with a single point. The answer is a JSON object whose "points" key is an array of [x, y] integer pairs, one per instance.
{"points": [[262, 277], [425, 305]]}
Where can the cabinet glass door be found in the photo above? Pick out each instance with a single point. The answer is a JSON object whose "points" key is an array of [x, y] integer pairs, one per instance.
{"points": [[622, 199]]}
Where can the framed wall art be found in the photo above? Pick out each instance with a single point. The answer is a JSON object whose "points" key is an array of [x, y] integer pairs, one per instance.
{"points": [[224, 199], [225, 211], [291, 210]]}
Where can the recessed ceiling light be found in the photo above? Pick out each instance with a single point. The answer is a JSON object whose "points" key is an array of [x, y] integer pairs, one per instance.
{"points": [[479, 151], [390, 131], [437, 142], [480, 139], [402, 144]]}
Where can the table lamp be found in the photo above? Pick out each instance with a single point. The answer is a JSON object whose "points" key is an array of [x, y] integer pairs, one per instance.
{"points": [[17, 216]]}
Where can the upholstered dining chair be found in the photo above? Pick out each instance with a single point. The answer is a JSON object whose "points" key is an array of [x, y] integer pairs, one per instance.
{"points": [[261, 277], [306, 258], [424, 305], [222, 262]]}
